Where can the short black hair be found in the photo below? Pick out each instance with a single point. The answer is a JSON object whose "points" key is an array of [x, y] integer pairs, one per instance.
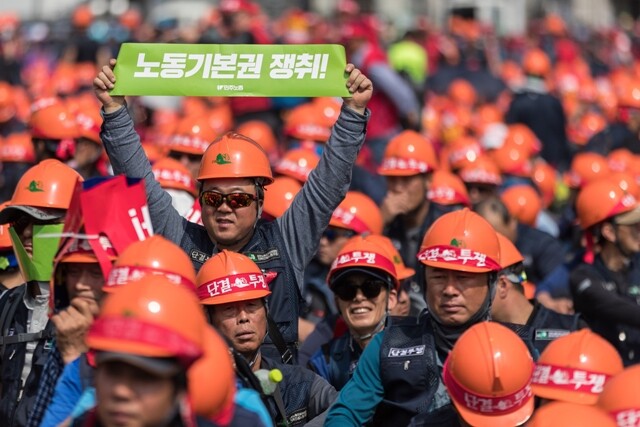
{"points": [[495, 205]]}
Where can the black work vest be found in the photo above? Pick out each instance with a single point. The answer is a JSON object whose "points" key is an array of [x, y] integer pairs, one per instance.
{"points": [[15, 410], [547, 325], [409, 371], [267, 249], [295, 389]]}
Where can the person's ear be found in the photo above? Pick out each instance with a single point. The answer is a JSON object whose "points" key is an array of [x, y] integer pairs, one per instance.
{"points": [[608, 231], [502, 287], [392, 300]]}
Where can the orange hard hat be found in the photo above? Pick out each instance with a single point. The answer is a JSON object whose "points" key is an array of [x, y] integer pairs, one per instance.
{"points": [[488, 376], [448, 189], [153, 318], [523, 203], [585, 168], [85, 73], [512, 160], [261, 133], [402, 270], [484, 115], [329, 109], [153, 256], [17, 148], [89, 123], [483, 171], [461, 240], [50, 119], [462, 93], [590, 124], [64, 79], [509, 254], [220, 118], [192, 135], [131, 19], [630, 96], [619, 160], [536, 63], [279, 196], [408, 153], [235, 156], [80, 251], [620, 397], [571, 415], [521, 136], [575, 367], [362, 254], [153, 152], [604, 199], [230, 277], [544, 177], [298, 164], [172, 174], [359, 213], [82, 16], [48, 185], [626, 182], [463, 151], [554, 24], [7, 104], [304, 122], [212, 377]]}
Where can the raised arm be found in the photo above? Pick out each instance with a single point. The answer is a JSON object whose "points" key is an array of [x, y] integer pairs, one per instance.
{"points": [[309, 214], [127, 157]]}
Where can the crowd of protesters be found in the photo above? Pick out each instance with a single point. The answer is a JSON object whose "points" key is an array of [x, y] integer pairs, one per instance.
{"points": [[455, 243]]}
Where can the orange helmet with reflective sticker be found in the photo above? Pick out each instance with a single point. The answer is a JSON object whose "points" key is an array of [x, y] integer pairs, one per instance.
{"points": [[298, 164], [512, 160], [361, 252], [154, 318], [172, 174], [18, 148], [304, 122], [230, 277], [601, 200], [192, 135], [586, 167], [235, 156], [151, 257], [519, 135], [575, 367], [620, 160], [488, 376], [571, 415], [483, 171], [408, 153], [461, 240], [50, 119], [359, 213], [620, 397], [448, 189]]}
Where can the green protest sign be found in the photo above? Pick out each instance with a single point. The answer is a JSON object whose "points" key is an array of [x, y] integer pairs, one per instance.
{"points": [[230, 70]]}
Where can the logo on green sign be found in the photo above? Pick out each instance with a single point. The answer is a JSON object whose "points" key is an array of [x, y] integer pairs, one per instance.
{"points": [[223, 159], [35, 187]]}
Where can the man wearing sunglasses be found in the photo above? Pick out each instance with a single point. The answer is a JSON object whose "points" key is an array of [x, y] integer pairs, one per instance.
{"points": [[399, 374], [364, 280], [234, 174], [510, 304], [36, 211]]}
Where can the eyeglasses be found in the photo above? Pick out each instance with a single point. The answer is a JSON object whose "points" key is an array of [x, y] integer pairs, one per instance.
{"points": [[233, 200], [370, 289], [23, 222], [331, 234]]}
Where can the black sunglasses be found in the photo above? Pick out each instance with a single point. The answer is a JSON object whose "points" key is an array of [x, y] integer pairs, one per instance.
{"points": [[370, 289], [233, 200], [331, 234]]}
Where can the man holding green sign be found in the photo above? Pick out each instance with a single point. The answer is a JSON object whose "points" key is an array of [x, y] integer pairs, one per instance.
{"points": [[234, 174]]}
